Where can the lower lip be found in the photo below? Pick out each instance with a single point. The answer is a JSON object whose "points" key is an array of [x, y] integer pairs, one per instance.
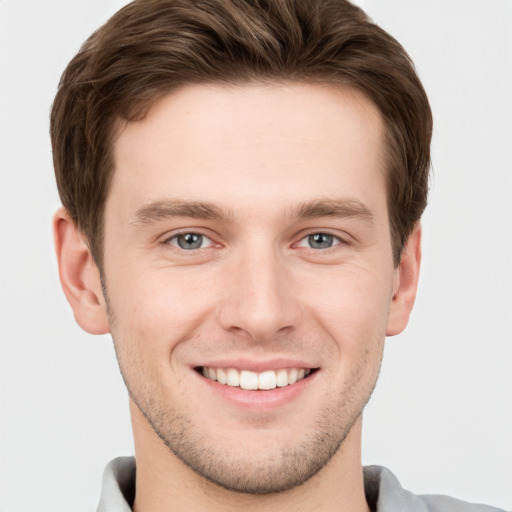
{"points": [[260, 399]]}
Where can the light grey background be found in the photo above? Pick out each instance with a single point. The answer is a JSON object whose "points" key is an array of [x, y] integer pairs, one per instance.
{"points": [[441, 417]]}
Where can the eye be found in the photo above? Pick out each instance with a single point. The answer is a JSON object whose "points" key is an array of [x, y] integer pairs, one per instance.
{"points": [[190, 241], [320, 241]]}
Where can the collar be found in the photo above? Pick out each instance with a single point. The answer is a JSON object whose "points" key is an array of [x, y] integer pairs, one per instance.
{"points": [[382, 489]]}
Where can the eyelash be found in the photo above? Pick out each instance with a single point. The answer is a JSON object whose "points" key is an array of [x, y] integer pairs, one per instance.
{"points": [[175, 237], [336, 241]]}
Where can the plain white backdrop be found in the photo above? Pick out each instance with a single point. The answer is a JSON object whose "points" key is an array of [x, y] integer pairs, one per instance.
{"points": [[441, 416]]}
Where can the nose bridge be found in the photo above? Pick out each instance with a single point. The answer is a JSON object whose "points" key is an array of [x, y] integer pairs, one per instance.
{"points": [[260, 297]]}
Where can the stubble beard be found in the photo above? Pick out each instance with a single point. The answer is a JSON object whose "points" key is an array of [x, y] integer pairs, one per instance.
{"points": [[243, 472], [291, 467]]}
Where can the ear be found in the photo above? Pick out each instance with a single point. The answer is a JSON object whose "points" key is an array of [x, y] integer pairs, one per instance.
{"points": [[405, 284], [79, 276]]}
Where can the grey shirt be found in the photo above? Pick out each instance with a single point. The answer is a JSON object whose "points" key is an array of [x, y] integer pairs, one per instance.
{"points": [[383, 492]]}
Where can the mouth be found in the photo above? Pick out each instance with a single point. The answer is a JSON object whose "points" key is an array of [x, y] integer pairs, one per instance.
{"points": [[254, 381]]}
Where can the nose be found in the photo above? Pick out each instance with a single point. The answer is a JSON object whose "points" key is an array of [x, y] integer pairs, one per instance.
{"points": [[260, 300]]}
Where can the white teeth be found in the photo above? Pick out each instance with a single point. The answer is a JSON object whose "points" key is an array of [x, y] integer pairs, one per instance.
{"points": [[221, 376], [233, 378], [246, 379], [267, 380], [282, 378]]}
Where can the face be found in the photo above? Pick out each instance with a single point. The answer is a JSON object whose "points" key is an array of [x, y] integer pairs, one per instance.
{"points": [[249, 275]]}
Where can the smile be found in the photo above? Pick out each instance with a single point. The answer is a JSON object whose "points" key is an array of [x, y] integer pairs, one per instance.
{"points": [[248, 380]]}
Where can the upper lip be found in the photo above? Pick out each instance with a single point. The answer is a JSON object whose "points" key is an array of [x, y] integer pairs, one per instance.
{"points": [[258, 366]]}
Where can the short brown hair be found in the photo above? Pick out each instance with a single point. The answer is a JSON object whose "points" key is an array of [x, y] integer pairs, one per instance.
{"points": [[151, 47]]}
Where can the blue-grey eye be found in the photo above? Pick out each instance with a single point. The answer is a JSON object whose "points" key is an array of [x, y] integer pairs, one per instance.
{"points": [[319, 241], [190, 241]]}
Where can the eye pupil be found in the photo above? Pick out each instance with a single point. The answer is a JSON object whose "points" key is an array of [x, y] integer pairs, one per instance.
{"points": [[190, 241], [320, 241]]}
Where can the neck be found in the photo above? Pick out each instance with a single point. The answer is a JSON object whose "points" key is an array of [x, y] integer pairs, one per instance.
{"points": [[163, 481]]}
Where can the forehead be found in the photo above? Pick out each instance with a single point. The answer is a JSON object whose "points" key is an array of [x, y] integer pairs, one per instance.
{"points": [[223, 143]]}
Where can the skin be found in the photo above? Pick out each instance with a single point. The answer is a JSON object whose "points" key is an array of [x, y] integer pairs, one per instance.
{"points": [[256, 170]]}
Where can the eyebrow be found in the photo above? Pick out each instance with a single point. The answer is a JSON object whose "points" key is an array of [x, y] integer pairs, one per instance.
{"points": [[158, 210], [177, 208], [341, 208]]}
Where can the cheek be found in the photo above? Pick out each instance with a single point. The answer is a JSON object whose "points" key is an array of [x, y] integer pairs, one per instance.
{"points": [[352, 307], [158, 309], [151, 316]]}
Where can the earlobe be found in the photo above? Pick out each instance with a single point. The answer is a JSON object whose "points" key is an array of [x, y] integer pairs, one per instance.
{"points": [[79, 276], [406, 284]]}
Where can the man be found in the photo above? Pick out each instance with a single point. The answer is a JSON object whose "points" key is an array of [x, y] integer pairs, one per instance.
{"points": [[242, 185]]}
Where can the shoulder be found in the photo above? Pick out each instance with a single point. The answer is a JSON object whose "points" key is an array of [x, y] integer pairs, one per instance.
{"points": [[385, 494]]}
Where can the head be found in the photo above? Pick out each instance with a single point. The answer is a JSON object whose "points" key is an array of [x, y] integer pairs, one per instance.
{"points": [[243, 183]]}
